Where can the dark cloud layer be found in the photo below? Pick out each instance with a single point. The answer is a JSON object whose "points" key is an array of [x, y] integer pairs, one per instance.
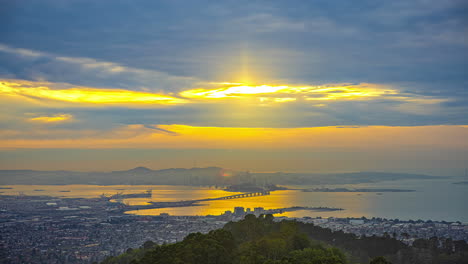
{"points": [[420, 47], [337, 41]]}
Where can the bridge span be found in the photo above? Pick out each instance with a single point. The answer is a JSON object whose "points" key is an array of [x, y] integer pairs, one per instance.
{"points": [[240, 195], [154, 205]]}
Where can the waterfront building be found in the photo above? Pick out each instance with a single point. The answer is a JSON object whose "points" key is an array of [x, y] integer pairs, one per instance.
{"points": [[239, 211]]}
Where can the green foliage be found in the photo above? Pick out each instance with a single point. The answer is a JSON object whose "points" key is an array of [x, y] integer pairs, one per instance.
{"points": [[361, 249], [263, 241], [317, 256], [214, 247], [250, 241], [380, 260]]}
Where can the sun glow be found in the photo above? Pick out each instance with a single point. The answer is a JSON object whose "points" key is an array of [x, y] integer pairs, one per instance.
{"points": [[233, 91], [285, 93]]}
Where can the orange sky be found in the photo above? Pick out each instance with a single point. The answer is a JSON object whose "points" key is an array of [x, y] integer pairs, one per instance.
{"points": [[45, 115], [182, 136]]}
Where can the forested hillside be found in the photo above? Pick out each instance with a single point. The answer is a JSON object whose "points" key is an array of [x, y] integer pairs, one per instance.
{"points": [[263, 241]]}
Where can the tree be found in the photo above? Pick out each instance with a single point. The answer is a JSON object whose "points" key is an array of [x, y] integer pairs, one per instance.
{"points": [[317, 255], [380, 260], [148, 244]]}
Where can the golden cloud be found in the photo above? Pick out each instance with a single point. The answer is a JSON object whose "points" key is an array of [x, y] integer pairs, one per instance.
{"points": [[183, 136], [257, 94], [285, 93], [85, 95], [58, 118]]}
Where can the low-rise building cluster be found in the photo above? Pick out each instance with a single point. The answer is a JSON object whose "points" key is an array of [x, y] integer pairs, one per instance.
{"points": [[50, 230], [406, 231], [67, 231]]}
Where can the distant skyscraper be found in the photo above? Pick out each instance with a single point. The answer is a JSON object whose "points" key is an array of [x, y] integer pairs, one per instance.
{"points": [[258, 211], [228, 213], [239, 211]]}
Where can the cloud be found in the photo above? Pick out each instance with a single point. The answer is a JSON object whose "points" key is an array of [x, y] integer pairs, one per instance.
{"points": [[182, 136], [165, 131], [43, 66], [370, 75], [49, 134], [224, 105], [265, 22], [83, 95], [57, 118], [165, 38], [21, 52], [324, 93]]}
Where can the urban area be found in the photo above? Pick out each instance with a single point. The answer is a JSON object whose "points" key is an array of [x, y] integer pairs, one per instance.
{"points": [[43, 229]]}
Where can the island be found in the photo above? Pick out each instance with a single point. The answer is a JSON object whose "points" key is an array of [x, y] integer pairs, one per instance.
{"points": [[120, 195], [248, 187], [377, 190]]}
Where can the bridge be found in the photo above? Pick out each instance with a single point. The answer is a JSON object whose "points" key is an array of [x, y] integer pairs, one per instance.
{"points": [[241, 195], [154, 205]]}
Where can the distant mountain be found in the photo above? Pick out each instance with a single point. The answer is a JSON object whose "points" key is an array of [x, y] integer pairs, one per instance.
{"points": [[136, 170], [195, 176], [136, 176], [337, 178], [461, 183]]}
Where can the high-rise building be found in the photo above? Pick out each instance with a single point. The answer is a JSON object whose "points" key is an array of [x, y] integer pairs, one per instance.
{"points": [[258, 211], [239, 211], [228, 213]]}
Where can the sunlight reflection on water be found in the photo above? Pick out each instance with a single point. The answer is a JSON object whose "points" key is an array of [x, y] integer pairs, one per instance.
{"points": [[433, 199]]}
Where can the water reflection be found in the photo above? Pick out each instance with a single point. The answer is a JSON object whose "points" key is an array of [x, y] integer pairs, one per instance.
{"points": [[277, 199], [433, 199], [356, 206]]}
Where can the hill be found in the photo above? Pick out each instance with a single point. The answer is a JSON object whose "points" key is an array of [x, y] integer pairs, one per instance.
{"points": [[194, 176], [338, 178], [253, 240], [262, 240], [136, 176]]}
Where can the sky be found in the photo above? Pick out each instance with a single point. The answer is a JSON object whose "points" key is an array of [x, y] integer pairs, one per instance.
{"points": [[309, 86]]}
